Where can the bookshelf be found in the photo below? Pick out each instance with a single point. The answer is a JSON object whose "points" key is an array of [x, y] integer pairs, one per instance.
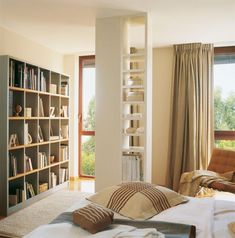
{"points": [[34, 126]]}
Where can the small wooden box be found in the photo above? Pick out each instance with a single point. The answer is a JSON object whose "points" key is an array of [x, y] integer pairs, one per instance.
{"points": [[43, 187]]}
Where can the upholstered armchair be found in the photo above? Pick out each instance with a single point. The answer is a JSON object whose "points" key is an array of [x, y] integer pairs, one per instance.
{"points": [[223, 161], [220, 175]]}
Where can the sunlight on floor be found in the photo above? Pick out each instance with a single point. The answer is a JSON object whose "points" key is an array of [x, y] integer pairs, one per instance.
{"points": [[83, 185]]}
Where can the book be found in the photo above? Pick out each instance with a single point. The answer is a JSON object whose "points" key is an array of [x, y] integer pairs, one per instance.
{"points": [[28, 164], [41, 109]]}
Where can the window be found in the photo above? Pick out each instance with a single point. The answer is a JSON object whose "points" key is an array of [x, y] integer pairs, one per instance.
{"points": [[224, 97], [86, 116]]}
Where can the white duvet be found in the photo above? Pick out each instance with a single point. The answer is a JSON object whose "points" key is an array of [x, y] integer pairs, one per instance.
{"points": [[209, 215]]}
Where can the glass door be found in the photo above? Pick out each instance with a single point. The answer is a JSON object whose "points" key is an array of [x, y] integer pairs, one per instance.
{"points": [[86, 116]]}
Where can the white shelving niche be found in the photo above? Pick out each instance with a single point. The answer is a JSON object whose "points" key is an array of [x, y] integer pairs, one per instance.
{"points": [[136, 100]]}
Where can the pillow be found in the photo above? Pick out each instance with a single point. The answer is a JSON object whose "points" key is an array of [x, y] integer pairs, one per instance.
{"points": [[137, 200], [92, 218]]}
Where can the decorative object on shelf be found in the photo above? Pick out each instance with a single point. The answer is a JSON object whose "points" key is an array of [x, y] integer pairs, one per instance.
{"points": [[13, 141], [40, 135], [52, 158], [133, 50], [28, 112], [18, 110], [30, 139], [64, 111], [52, 111], [64, 131]]}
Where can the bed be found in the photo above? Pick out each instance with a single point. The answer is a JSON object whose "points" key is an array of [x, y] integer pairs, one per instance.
{"points": [[210, 216]]}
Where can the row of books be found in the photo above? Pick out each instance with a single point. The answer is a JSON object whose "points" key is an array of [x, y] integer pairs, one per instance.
{"points": [[21, 194], [42, 160], [33, 78], [64, 152], [16, 74], [30, 77], [131, 168]]}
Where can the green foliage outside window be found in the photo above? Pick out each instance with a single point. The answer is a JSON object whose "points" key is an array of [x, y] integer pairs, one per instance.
{"points": [[224, 117], [88, 147]]}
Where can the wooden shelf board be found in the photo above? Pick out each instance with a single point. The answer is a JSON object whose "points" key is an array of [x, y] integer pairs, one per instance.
{"points": [[43, 118], [27, 90], [16, 118], [16, 89], [16, 147], [16, 177], [37, 92]]}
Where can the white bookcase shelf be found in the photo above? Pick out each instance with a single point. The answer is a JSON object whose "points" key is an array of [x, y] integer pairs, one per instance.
{"points": [[35, 105]]}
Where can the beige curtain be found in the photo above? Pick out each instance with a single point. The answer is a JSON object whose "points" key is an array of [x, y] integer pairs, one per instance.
{"points": [[192, 120]]}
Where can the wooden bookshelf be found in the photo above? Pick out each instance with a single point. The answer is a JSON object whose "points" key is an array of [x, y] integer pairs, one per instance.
{"points": [[35, 106]]}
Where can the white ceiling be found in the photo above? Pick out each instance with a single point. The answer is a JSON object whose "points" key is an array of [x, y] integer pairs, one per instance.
{"points": [[68, 26]]}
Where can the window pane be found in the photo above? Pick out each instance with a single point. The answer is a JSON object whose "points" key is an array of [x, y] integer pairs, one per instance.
{"points": [[224, 96], [88, 156], [88, 99], [224, 100]]}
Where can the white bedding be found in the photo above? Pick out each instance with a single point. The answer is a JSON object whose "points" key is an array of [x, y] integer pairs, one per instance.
{"points": [[209, 215]]}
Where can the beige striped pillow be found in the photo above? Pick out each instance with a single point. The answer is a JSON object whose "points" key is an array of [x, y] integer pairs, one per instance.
{"points": [[137, 200], [92, 218]]}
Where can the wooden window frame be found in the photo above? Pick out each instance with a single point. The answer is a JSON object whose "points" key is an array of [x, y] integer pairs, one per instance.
{"points": [[80, 131], [221, 134]]}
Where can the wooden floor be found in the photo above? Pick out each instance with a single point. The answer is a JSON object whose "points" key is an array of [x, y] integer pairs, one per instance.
{"points": [[82, 185]]}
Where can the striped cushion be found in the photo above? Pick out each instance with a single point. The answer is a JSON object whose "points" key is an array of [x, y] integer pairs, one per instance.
{"points": [[92, 218], [137, 200]]}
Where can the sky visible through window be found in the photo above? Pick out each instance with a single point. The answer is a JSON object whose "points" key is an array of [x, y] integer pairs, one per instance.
{"points": [[88, 88], [224, 78]]}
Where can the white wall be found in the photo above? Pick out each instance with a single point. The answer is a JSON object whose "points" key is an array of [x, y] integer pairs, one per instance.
{"points": [[20, 47], [162, 86], [108, 96]]}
